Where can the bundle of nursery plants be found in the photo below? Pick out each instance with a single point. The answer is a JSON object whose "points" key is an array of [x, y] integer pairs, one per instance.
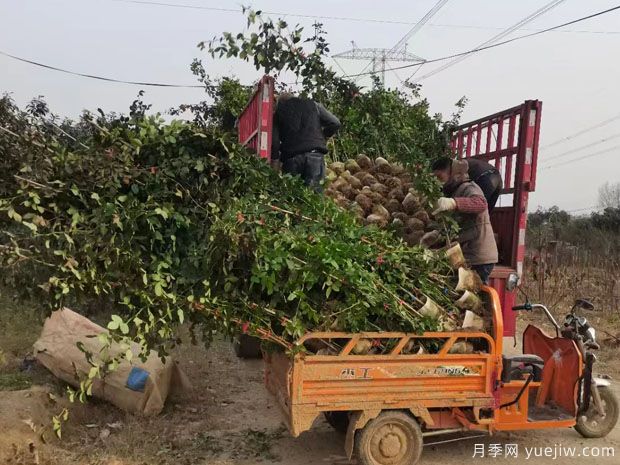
{"points": [[162, 223]]}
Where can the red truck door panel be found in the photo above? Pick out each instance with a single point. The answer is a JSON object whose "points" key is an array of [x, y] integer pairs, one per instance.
{"points": [[255, 123]]}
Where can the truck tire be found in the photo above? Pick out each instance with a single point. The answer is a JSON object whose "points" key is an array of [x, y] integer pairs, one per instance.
{"points": [[592, 425], [247, 346], [393, 438], [338, 420]]}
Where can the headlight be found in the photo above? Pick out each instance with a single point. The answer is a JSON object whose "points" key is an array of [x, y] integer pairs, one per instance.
{"points": [[512, 281], [592, 333]]}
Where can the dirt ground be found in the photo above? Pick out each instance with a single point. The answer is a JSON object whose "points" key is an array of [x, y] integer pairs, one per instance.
{"points": [[228, 418]]}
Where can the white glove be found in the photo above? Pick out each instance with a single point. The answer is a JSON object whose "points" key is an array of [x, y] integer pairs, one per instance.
{"points": [[445, 204]]}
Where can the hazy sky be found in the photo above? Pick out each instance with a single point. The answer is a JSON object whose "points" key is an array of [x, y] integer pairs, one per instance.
{"points": [[576, 74]]}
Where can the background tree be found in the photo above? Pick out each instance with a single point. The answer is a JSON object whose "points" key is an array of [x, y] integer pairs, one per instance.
{"points": [[609, 195]]}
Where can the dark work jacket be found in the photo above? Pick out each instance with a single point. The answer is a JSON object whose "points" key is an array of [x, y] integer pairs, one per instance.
{"points": [[300, 126], [478, 167]]}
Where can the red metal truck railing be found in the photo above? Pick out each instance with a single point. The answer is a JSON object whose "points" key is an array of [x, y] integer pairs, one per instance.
{"points": [[509, 141], [256, 121]]}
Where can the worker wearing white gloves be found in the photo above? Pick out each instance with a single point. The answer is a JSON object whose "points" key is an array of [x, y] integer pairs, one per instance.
{"points": [[445, 204], [466, 199]]}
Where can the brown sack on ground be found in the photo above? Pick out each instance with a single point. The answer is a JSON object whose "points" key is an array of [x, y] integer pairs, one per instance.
{"points": [[135, 386]]}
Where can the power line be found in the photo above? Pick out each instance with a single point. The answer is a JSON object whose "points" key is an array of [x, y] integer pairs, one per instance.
{"points": [[595, 154], [476, 50], [499, 44], [587, 146], [100, 78], [496, 38], [344, 18], [419, 25], [583, 131]]}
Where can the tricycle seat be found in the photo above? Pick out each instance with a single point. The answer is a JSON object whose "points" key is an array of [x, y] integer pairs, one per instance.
{"points": [[516, 366]]}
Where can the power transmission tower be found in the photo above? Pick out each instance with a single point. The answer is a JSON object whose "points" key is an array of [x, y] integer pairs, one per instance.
{"points": [[379, 56]]}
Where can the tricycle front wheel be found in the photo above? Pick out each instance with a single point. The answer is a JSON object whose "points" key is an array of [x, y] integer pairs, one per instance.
{"points": [[393, 438], [591, 423]]}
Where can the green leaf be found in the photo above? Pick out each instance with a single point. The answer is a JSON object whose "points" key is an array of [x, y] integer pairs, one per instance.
{"points": [[14, 215], [93, 372], [31, 226], [162, 212]]}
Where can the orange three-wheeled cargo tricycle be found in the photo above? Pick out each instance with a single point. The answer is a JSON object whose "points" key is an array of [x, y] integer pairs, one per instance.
{"points": [[388, 401]]}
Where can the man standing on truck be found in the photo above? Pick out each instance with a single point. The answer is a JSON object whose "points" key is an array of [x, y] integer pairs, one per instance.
{"points": [[301, 128], [476, 233], [482, 173]]}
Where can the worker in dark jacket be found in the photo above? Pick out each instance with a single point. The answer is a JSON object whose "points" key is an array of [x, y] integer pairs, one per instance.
{"points": [[466, 199], [482, 173], [301, 128]]}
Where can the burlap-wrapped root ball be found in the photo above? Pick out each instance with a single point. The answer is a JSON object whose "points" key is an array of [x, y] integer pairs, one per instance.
{"points": [[337, 167], [364, 202], [381, 211], [364, 162], [413, 238], [414, 224], [422, 216], [352, 166], [411, 204], [369, 180], [397, 193], [377, 220], [379, 189], [355, 183], [401, 216], [392, 205], [383, 166], [380, 193]]}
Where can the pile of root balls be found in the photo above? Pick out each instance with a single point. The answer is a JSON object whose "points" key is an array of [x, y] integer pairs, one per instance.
{"points": [[382, 193]]}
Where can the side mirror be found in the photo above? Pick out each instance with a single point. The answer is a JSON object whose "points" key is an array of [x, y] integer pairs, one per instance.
{"points": [[584, 303]]}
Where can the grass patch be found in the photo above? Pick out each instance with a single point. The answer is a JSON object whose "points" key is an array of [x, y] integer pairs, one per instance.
{"points": [[20, 324], [241, 445], [14, 381], [258, 444]]}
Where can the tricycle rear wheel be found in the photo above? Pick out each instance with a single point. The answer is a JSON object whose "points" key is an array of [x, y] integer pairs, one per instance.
{"points": [[591, 424], [393, 438]]}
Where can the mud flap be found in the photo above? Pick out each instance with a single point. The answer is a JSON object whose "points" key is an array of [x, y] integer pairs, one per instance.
{"points": [[357, 421]]}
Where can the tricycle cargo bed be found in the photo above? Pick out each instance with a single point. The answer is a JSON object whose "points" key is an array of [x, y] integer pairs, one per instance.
{"points": [[393, 373], [306, 385]]}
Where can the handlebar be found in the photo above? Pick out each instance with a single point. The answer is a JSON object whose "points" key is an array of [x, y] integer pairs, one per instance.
{"points": [[526, 306]]}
